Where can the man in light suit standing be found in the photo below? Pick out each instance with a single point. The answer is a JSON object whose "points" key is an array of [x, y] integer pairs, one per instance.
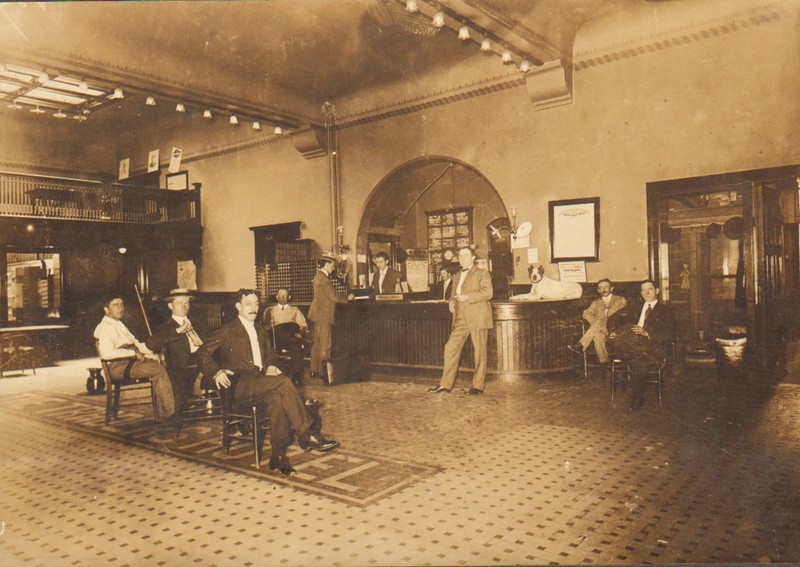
{"points": [[321, 313], [597, 315], [472, 317]]}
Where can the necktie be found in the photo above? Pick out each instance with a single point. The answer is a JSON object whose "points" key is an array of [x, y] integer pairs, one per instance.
{"points": [[194, 338], [283, 307]]}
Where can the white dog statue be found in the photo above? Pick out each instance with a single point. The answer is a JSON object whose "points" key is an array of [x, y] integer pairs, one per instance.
{"points": [[544, 288]]}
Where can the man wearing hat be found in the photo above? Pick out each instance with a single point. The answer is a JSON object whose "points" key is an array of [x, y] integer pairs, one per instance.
{"points": [[322, 311], [179, 342]]}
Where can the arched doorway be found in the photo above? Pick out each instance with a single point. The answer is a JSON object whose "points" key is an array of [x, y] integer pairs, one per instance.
{"points": [[422, 212]]}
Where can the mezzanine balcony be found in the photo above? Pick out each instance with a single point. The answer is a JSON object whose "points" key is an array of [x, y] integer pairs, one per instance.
{"points": [[54, 198]]}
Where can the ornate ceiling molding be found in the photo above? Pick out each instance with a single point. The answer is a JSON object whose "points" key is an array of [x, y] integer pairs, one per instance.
{"points": [[682, 35]]}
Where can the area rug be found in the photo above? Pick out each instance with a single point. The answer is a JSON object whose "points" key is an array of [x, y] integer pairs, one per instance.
{"points": [[343, 475]]}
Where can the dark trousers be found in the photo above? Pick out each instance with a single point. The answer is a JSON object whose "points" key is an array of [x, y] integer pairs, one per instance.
{"points": [[279, 397], [294, 347], [641, 354]]}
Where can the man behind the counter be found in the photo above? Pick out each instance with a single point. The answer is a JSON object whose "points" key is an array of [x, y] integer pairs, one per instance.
{"points": [[472, 317], [384, 278]]}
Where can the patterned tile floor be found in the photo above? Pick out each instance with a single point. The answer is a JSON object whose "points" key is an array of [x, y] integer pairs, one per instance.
{"points": [[530, 473]]}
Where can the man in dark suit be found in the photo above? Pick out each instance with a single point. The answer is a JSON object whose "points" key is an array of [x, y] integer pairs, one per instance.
{"points": [[442, 289], [178, 340], [384, 278], [321, 312], [642, 339], [472, 317], [238, 356]]}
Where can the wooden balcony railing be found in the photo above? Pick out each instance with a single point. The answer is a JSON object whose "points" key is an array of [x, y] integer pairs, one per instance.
{"points": [[54, 198]]}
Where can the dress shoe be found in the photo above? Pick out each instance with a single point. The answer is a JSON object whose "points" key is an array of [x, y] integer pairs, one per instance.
{"points": [[576, 348], [281, 464], [473, 392], [439, 390], [317, 443]]}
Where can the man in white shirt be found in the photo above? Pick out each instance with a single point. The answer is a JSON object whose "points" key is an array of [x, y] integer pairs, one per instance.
{"points": [[289, 330], [597, 315], [131, 358]]}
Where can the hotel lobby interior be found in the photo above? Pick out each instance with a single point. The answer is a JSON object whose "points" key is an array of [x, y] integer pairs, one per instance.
{"points": [[147, 146]]}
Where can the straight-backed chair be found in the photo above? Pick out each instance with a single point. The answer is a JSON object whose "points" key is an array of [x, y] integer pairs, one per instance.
{"points": [[621, 374], [242, 426], [114, 389]]}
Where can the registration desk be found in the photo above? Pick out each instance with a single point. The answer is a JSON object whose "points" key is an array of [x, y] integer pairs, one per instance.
{"points": [[529, 339]]}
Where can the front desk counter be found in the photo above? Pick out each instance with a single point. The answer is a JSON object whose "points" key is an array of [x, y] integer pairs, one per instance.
{"points": [[529, 339]]}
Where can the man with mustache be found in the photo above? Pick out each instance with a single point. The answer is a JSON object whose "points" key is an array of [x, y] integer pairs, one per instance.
{"points": [[240, 357]]}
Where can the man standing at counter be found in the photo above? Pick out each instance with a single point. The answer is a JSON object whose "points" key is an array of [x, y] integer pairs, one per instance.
{"points": [[472, 317], [384, 278], [321, 312]]}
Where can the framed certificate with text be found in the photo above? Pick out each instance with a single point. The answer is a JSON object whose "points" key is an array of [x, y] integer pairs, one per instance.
{"points": [[178, 181], [575, 230]]}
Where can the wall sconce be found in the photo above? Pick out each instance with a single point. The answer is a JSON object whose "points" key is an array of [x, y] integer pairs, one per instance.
{"points": [[150, 101], [180, 108], [233, 120]]}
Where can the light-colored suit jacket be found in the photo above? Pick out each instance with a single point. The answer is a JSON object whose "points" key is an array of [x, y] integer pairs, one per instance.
{"points": [[477, 310], [323, 306], [597, 310]]}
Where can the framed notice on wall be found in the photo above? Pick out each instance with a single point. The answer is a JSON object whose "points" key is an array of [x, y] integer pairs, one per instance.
{"points": [[178, 181], [575, 230]]}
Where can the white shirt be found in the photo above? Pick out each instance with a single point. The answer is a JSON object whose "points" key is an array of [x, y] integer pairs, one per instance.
{"points": [[180, 321], [380, 279], [461, 281], [644, 310], [111, 335], [250, 327]]}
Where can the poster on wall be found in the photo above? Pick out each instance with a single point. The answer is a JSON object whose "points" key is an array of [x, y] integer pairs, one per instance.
{"points": [[124, 168], [152, 161], [417, 275], [175, 160]]}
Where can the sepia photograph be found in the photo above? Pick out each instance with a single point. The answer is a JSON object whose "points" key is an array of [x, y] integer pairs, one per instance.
{"points": [[328, 282]]}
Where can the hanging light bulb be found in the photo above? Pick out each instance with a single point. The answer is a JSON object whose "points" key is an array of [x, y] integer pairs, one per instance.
{"points": [[233, 120], [117, 93], [180, 108], [37, 110], [411, 6], [150, 101], [525, 66], [438, 20], [256, 125], [59, 114], [207, 114], [506, 56], [278, 131], [486, 45], [463, 33]]}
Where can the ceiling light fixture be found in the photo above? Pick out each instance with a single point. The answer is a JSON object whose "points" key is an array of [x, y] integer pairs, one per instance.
{"points": [[463, 33], [180, 108], [150, 101], [59, 114], [37, 110], [411, 6], [83, 85], [486, 45], [278, 131], [207, 114], [43, 77], [525, 66], [79, 117], [14, 105], [233, 120], [117, 94], [438, 20], [256, 125], [506, 56]]}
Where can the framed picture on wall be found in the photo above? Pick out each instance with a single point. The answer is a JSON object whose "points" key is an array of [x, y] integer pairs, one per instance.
{"points": [[575, 230], [178, 181]]}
